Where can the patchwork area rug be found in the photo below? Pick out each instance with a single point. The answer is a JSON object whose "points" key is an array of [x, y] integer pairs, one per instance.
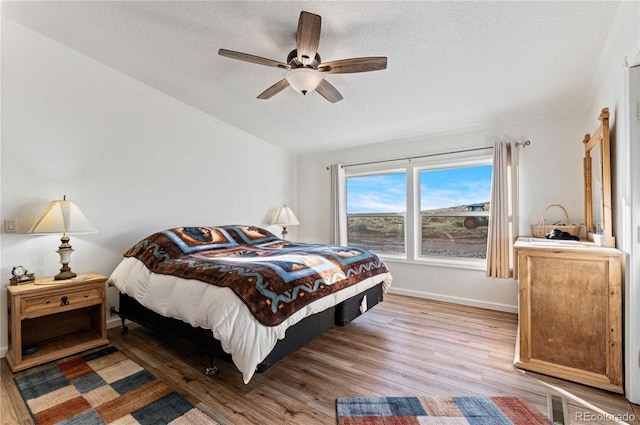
{"points": [[104, 387], [437, 410]]}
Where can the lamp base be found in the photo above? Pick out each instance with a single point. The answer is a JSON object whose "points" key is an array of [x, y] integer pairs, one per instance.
{"points": [[65, 273], [65, 250]]}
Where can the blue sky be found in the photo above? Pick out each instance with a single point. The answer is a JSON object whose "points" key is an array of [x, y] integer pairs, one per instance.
{"points": [[438, 189]]}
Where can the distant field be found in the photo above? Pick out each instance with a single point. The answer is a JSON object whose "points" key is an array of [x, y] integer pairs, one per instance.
{"points": [[441, 236]]}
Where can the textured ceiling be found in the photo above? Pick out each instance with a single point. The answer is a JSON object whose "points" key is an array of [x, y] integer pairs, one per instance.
{"points": [[451, 65]]}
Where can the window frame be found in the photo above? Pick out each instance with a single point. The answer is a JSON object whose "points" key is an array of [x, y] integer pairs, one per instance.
{"points": [[413, 221], [468, 263], [382, 171]]}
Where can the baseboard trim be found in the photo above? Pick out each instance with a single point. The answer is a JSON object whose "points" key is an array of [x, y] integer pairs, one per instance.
{"points": [[114, 322], [455, 300], [3, 351]]}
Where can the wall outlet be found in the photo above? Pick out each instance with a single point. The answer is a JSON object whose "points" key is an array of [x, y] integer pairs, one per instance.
{"points": [[10, 225]]}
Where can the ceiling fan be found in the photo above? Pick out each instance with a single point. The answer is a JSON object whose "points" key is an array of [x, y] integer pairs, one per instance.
{"points": [[306, 71]]}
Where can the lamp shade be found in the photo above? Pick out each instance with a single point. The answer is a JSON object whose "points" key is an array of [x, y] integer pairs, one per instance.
{"points": [[304, 80], [62, 217], [285, 217]]}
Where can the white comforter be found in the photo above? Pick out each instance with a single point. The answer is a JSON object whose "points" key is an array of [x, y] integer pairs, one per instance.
{"points": [[219, 309]]}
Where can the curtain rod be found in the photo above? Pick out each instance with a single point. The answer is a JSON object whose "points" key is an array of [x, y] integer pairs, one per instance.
{"points": [[409, 158]]}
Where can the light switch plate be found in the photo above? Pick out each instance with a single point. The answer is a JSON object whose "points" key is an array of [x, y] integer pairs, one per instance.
{"points": [[10, 225]]}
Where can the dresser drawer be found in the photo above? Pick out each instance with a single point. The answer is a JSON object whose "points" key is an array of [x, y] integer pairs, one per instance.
{"points": [[60, 301]]}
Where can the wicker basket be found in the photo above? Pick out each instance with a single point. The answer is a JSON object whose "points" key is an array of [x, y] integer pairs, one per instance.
{"points": [[540, 230]]}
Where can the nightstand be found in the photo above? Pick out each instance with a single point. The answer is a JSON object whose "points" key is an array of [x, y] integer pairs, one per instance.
{"points": [[50, 319]]}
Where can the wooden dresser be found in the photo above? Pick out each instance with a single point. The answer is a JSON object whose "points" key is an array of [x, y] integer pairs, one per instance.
{"points": [[570, 311]]}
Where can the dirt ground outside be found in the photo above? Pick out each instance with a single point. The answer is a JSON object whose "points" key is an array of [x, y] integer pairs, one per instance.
{"points": [[441, 237]]}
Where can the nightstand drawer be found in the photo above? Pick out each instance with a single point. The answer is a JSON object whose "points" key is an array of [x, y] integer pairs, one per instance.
{"points": [[59, 301]]}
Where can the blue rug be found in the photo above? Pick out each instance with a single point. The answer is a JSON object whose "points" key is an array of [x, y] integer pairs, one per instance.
{"points": [[437, 410]]}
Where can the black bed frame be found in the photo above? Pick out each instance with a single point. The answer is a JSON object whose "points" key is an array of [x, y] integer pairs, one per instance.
{"points": [[297, 335]]}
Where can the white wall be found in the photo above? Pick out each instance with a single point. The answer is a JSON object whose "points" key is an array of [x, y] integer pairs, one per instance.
{"points": [[550, 172], [133, 159], [611, 90]]}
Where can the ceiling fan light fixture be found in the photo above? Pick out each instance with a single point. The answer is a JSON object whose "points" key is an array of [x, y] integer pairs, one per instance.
{"points": [[304, 80]]}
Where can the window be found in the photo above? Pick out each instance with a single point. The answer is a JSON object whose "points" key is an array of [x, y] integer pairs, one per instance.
{"points": [[454, 211], [376, 206], [422, 212]]}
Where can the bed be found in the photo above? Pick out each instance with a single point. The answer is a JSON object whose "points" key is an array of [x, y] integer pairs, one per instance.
{"points": [[243, 294]]}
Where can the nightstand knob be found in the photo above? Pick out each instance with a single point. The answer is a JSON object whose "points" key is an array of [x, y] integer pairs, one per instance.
{"points": [[64, 301]]}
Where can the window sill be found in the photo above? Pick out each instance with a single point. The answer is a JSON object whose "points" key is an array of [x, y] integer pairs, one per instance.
{"points": [[479, 265]]}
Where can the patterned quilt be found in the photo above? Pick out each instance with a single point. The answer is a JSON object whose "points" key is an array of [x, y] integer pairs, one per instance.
{"points": [[273, 277]]}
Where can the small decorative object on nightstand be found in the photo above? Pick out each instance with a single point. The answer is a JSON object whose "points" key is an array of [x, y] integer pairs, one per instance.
{"points": [[20, 275], [50, 319]]}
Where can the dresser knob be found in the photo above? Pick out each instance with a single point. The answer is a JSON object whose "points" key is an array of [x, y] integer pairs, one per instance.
{"points": [[64, 301]]}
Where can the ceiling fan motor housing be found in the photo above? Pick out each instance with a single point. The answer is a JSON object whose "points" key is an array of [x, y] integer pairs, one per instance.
{"points": [[293, 60]]}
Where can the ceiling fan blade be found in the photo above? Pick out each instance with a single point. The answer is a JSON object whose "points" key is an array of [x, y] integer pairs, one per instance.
{"points": [[253, 59], [308, 37], [274, 89], [347, 66], [329, 92]]}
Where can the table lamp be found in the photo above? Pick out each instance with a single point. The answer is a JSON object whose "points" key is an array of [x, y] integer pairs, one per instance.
{"points": [[284, 218], [63, 217]]}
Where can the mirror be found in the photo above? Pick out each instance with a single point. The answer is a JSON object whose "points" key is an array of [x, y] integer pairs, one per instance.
{"points": [[597, 184]]}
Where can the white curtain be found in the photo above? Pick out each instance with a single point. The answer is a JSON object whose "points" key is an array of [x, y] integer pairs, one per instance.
{"points": [[503, 218], [338, 234]]}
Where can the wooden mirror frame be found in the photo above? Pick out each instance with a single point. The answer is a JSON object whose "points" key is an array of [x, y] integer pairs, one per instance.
{"points": [[600, 138]]}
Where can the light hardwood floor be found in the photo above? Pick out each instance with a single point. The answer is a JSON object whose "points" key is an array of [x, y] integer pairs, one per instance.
{"points": [[402, 347]]}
